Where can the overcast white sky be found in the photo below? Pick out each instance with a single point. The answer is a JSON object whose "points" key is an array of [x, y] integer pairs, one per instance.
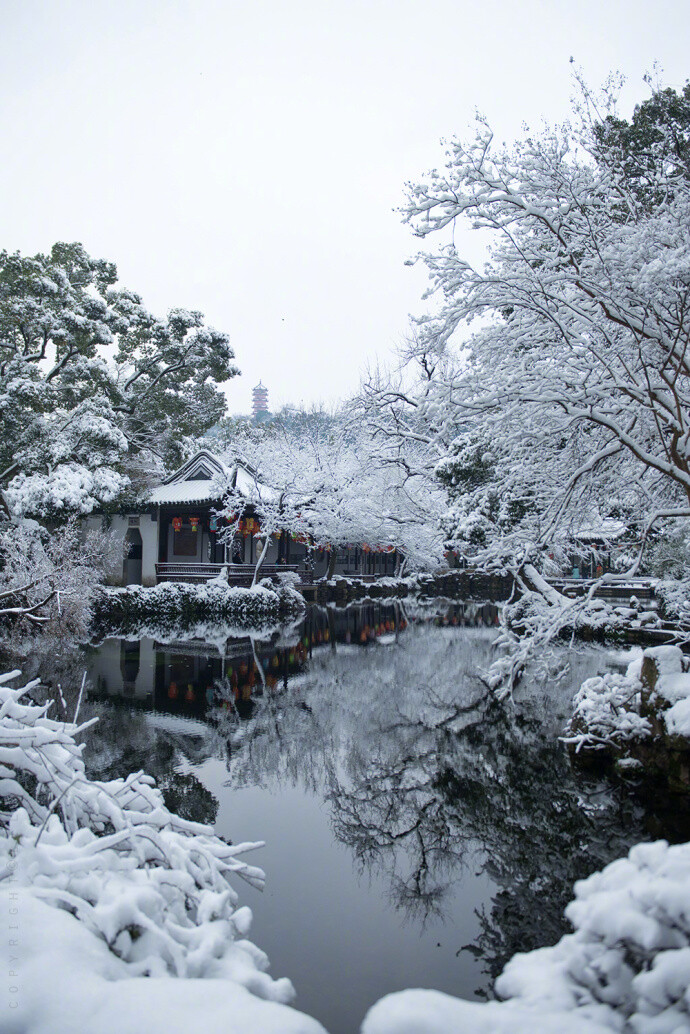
{"points": [[245, 157]]}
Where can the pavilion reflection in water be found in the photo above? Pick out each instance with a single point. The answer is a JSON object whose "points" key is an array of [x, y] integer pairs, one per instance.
{"points": [[190, 677]]}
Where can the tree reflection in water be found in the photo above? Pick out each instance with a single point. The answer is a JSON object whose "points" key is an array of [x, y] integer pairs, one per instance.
{"points": [[426, 774]]}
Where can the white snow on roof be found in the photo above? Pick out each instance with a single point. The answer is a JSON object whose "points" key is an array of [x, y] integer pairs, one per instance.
{"points": [[186, 492], [176, 489], [200, 461], [251, 488], [606, 528]]}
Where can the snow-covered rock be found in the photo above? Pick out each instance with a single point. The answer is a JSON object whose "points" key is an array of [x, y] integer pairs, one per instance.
{"points": [[612, 709]]}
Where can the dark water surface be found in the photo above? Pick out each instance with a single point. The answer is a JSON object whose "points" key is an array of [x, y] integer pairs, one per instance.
{"points": [[417, 832]]}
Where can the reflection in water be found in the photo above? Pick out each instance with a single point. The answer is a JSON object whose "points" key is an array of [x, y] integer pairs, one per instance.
{"points": [[190, 677], [378, 711], [480, 773]]}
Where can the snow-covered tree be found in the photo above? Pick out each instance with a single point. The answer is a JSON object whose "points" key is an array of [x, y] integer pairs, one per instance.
{"points": [[321, 477], [88, 376], [47, 578], [576, 378], [550, 387], [658, 134]]}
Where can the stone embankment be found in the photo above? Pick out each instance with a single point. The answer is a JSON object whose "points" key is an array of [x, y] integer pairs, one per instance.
{"points": [[461, 585]]}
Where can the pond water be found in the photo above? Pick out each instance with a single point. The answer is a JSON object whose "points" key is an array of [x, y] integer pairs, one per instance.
{"points": [[417, 832]]}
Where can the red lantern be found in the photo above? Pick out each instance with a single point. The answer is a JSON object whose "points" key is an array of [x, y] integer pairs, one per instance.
{"points": [[194, 521], [177, 523]]}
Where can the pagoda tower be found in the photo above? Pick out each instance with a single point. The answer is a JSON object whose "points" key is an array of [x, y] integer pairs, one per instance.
{"points": [[260, 409]]}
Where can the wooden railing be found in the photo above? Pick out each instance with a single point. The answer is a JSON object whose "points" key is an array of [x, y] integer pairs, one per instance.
{"points": [[238, 574]]}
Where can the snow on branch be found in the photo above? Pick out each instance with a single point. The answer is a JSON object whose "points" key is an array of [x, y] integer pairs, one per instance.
{"points": [[154, 887]]}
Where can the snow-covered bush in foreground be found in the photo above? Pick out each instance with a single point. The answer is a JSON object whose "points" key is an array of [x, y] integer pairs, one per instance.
{"points": [[70, 983], [151, 889], [626, 968]]}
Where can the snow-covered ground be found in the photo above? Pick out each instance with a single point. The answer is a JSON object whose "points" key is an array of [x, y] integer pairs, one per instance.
{"points": [[62, 979]]}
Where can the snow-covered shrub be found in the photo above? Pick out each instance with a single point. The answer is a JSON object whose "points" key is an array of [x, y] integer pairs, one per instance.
{"points": [[181, 604], [284, 585], [668, 557], [606, 713], [70, 983], [651, 701], [153, 887], [674, 597], [629, 957], [48, 577]]}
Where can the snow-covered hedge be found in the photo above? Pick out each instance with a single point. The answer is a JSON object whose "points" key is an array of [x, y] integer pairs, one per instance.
{"points": [[626, 968], [182, 603], [152, 890], [674, 596]]}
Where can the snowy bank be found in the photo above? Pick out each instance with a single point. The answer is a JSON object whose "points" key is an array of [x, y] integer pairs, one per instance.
{"points": [[625, 968], [107, 885], [182, 604], [64, 980]]}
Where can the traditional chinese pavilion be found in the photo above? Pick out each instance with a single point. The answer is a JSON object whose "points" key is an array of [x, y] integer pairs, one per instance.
{"points": [[180, 535]]}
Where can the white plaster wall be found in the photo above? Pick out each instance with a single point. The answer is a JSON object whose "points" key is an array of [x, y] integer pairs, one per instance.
{"points": [[149, 540], [118, 527]]}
